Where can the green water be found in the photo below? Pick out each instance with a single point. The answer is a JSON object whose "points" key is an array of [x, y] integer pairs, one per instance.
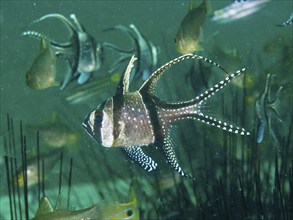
{"points": [[236, 177]]}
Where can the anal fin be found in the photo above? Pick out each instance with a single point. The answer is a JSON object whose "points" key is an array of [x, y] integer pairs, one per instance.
{"points": [[171, 157], [138, 156]]}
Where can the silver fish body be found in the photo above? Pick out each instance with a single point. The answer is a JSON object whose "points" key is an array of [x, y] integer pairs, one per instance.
{"points": [[237, 10], [42, 74]]}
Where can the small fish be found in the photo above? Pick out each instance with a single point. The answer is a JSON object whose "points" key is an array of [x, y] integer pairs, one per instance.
{"points": [[42, 74], [82, 52], [32, 168], [119, 211], [132, 120], [237, 10], [189, 35], [286, 23], [46, 212], [146, 52], [125, 211], [92, 89], [55, 133], [263, 106]]}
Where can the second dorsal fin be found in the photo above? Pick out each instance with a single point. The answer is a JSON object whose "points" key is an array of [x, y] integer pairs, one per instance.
{"points": [[150, 84]]}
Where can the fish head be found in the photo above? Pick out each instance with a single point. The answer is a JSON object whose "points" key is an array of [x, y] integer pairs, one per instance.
{"points": [[29, 79], [127, 210], [100, 123], [31, 175], [34, 81]]}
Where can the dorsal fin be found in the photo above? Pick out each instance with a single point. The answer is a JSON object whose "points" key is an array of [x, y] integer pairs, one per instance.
{"points": [[123, 85], [150, 84], [69, 25], [132, 195], [35, 34], [40, 36], [44, 44], [78, 25], [44, 206]]}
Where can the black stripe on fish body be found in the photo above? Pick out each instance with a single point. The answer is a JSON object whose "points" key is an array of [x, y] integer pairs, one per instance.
{"points": [[151, 104], [93, 123], [162, 139]]}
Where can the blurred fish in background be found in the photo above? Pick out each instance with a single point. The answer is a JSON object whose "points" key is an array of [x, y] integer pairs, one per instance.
{"points": [[32, 169], [286, 23], [47, 212], [263, 107], [95, 88], [190, 34], [55, 133], [42, 74], [83, 54], [127, 210], [113, 211], [237, 10], [146, 52]]}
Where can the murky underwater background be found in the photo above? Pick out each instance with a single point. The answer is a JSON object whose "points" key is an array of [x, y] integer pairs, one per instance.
{"points": [[235, 176]]}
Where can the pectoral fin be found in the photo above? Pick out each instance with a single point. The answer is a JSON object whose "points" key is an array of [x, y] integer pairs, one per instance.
{"points": [[138, 156], [83, 78]]}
